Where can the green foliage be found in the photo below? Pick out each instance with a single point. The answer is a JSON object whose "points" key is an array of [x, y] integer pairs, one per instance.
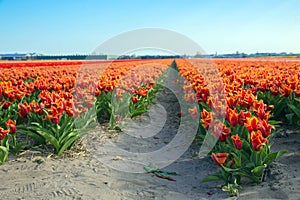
{"points": [[285, 108], [61, 136], [245, 162]]}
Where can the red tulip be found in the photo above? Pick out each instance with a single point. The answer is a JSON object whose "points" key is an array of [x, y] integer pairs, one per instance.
{"points": [[231, 101], [285, 90], [232, 162], [142, 92], [265, 128], [24, 110], [232, 117], [237, 141], [37, 108], [243, 116], [220, 130], [251, 123], [5, 104], [219, 158], [224, 134], [3, 133], [206, 118], [12, 126], [134, 99], [54, 118], [257, 140]]}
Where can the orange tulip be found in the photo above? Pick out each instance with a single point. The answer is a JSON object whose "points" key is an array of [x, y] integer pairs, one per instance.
{"points": [[265, 128], [285, 90], [232, 117], [231, 101], [3, 133], [24, 110], [54, 118], [251, 123], [257, 140], [224, 134], [12, 126], [5, 104], [220, 130], [219, 158], [237, 141], [134, 99], [142, 92], [243, 115], [206, 118]]}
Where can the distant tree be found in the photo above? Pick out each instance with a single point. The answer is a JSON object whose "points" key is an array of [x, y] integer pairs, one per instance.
{"points": [[198, 55]]}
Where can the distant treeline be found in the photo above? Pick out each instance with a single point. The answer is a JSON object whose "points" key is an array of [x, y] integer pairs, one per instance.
{"points": [[95, 57], [69, 57]]}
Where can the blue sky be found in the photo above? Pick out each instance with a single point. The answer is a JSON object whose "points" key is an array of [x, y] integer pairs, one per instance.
{"points": [[79, 26]]}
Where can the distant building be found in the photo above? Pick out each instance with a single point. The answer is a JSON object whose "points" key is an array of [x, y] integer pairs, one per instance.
{"points": [[15, 56]]}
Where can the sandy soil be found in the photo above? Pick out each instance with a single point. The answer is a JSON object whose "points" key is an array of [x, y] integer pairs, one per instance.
{"points": [[36, 175]]}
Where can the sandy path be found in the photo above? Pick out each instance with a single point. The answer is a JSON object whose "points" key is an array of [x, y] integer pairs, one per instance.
{"points": [[87, 178]]}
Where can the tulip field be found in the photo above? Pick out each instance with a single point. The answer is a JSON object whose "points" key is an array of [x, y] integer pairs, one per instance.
{"points": [[241, 102]]}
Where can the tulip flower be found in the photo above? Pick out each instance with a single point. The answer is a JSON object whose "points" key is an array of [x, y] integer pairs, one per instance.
{"points": [[219, 158], [12, 126], [206, 118], [232, 117], [251, 123], [220, 130], [24, 110], [231, 101], [257, 140], [5, 104], [285, 90], [142, 92], [3, 133], [237, 141], [134, 99], [224, 134], [243, 116], [265, 128]]}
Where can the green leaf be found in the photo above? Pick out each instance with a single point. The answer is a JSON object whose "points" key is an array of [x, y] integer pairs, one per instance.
{"points": [[273, 156], [63, 140], [274, 122], [205, 106], [111, 121], [38, 138], [215, 177], [295, 109], [202, 129], [290, 117], [3, 154], [237, 158], [138, 112], [259, 170], [250, 165], [246, 174], [69, 143], [227, 169], [46, 134]]}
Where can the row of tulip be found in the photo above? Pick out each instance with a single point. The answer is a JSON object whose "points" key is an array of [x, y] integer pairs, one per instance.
{"points": [[240, 102], [51, 101]]}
